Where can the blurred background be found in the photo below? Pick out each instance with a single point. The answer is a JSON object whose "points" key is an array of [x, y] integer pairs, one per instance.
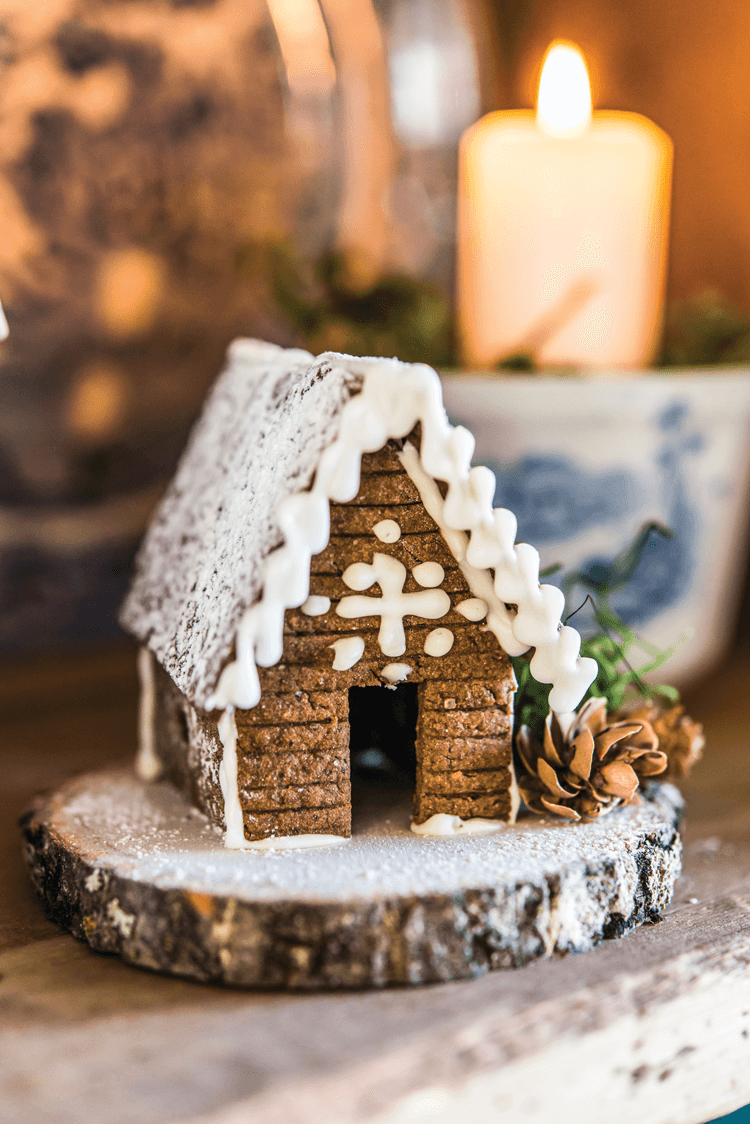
{"points": [[174, 173]]}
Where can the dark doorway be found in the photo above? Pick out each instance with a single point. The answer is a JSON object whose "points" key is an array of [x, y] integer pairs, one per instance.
{"points": [[382, 735]]}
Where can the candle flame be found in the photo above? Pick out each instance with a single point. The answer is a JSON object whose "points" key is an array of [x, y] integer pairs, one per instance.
{"points": [[564, 102]]}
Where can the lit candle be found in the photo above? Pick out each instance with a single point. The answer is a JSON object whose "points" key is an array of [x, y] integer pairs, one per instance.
{"points": [[562, 228]]}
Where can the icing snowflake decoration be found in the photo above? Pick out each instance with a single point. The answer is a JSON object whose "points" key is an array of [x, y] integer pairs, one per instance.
{"points": [[394, 605], [390, 574]]}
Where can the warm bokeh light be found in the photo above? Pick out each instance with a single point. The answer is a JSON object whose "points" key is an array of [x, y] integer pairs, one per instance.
{"points": [[130, 288], [564, 102], [97, 401]]}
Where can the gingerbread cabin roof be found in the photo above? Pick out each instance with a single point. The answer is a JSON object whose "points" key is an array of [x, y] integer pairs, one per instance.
{"points": [[280, 437]]}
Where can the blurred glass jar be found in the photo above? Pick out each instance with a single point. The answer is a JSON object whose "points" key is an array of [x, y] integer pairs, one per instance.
{"points": [[141, 145], [406, 78], [442, 78], [379, 92], [152, 157]]}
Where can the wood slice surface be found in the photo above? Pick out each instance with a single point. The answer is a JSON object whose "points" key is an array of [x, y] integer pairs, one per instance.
{"points": [[133, 869]]}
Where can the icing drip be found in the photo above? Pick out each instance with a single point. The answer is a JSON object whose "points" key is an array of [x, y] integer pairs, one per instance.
{"points": [[292, 842], [316, 606], [394, 605], [147, 764], [479, 581], [347, 652], [394, 397], [439, 642], [396, 672], [387, 530], [474, 609], [234, 835], [444, 824], [4, 329], [428, 574]]}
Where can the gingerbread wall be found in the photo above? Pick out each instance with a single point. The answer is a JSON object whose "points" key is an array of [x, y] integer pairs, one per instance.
{"points": [[293, 747]]}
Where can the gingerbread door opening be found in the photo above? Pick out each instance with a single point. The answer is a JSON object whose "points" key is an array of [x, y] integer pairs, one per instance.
{"points": [[382, 743]]}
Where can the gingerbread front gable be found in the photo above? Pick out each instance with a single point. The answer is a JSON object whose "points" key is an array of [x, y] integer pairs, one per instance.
{"points": [[417, 623], [387, 563]]}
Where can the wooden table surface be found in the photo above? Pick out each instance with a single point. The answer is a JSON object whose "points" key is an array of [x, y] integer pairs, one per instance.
{"points": [[654, 1028]]}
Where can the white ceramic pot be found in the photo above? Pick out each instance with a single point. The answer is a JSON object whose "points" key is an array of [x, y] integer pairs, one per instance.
{"points": [[584, 461]]}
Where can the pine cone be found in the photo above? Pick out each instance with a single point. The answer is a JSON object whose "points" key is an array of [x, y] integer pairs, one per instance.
{"points": [[589, 764], [680, 738]]}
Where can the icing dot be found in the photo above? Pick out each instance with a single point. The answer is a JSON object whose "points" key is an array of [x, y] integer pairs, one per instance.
{"points": [[438, 642], [360, 575], [396, 672], [387, 530], [429, 574], [474, 609], [315, 606], [347, 652]]}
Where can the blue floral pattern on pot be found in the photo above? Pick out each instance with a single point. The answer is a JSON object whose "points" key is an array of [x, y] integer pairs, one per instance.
{"points": [[555, 498]]}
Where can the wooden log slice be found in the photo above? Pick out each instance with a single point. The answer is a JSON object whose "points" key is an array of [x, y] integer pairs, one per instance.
{"points": [[133, 869]]}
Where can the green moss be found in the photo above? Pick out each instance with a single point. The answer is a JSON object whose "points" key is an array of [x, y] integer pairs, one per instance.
{"points": [[395, 315]]}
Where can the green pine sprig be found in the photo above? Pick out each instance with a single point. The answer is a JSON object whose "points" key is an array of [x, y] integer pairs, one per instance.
{"points": [[615, 647]]}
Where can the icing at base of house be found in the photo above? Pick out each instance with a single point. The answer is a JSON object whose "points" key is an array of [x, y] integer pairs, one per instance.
{"points": [[444, 825]]}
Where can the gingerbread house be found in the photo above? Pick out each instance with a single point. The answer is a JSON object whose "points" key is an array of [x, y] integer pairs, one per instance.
{"points": [[325, 532]]}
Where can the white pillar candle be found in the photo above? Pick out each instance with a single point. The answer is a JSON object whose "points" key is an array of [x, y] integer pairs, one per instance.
{"points": [[562, 228]]}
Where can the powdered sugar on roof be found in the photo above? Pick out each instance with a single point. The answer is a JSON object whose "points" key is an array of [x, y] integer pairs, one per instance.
{"points": [[261, 434]]}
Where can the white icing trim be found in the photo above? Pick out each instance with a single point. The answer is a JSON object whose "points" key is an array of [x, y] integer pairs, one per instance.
{"points": [[387, 530], [479, 581], [4, 329], [444, 824], [438, 642], [394, 397], [536, 623], [347, 652], [148, 765]]}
